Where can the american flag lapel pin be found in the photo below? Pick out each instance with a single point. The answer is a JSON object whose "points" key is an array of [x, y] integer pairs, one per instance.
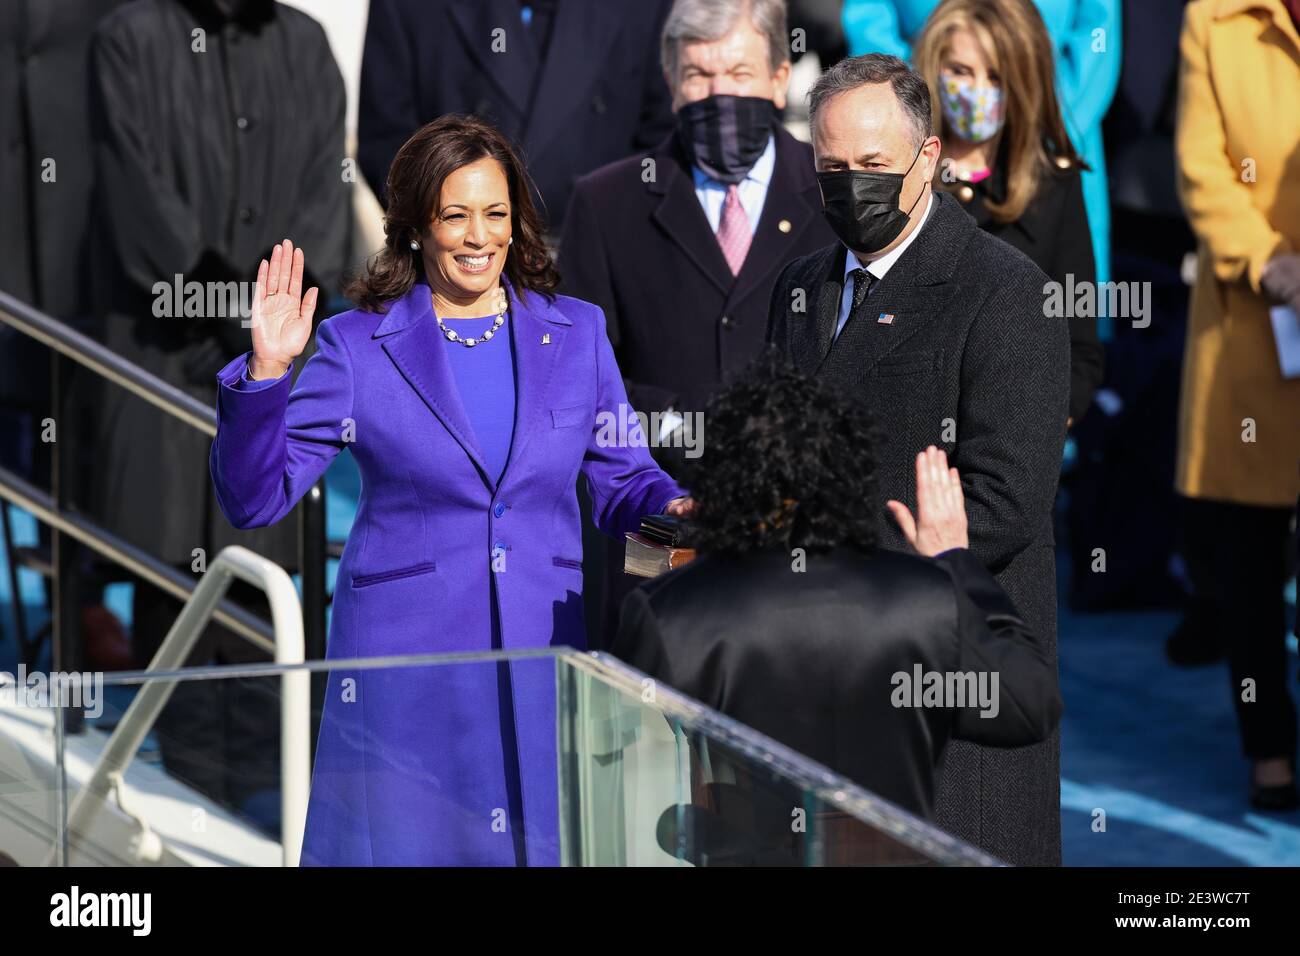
{"points": [[885, 318], [546, 339]]}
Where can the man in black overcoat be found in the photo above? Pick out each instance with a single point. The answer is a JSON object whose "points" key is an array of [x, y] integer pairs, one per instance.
{"points": [[941, 331], [575, 83]]}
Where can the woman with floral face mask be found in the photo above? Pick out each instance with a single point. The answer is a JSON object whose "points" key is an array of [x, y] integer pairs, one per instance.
{"points": [[1007, 156]]}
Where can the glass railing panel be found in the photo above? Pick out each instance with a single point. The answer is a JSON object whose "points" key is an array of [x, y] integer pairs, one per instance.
{"points": [[31, 808], [539, 758], [650, 777]]}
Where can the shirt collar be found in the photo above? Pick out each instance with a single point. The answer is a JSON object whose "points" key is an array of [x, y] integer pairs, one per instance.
{"points": [[886, 262], [760, 172]]}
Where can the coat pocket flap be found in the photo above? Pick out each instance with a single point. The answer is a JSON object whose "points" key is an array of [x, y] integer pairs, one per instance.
{"points": [[908, 363], [570, 416], [363, 580]]}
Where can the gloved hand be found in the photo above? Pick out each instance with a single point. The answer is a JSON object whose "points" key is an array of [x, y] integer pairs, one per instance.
{"points": [[1281, 280]]}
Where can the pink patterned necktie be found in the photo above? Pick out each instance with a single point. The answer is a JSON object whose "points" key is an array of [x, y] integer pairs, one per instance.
{"points": [[733, 231]]}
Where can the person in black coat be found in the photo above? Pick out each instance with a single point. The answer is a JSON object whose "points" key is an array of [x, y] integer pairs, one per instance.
{"points": [[202, 171], [785, 517], [46, 187], [641, 238], [939, 329], [200, 174], [575, 83], [46, 176], [1006, 153], [47, 184]]}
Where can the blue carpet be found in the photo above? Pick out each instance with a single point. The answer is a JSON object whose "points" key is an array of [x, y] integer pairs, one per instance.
{"points": [[1155, 747]]}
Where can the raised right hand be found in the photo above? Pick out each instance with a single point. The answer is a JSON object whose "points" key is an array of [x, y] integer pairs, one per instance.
{"points": [[940, 523], [281, 313]]}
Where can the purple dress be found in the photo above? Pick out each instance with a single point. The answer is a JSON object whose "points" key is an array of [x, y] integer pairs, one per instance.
{"points": [[485, 378], [454, 765]]}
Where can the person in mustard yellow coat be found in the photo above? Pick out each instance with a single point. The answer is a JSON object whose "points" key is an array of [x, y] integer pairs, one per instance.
{"points": [[1238, 145]]}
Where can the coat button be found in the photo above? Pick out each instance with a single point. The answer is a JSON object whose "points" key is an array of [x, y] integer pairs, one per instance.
{"points": [[499, 509], [247, 214], [242, 122], [728, 322]]}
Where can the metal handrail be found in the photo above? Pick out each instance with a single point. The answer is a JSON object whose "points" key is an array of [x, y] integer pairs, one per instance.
{"points": [[17, 491], [86, 352], [295, 700], [90, 354]]}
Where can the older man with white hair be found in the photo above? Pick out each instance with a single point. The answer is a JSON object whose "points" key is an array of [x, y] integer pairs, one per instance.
{"points": [[681, 245]]}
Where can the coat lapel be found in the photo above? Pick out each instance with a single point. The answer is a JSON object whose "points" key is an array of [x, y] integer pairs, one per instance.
{"points": [[913, 306], [681, 217], [418, 349], [539, 331], [830, 291], [581, 37], [793, 202], [513, 70], [913, 292]]}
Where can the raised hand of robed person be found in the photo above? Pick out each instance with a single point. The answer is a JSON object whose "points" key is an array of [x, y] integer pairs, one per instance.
{"points": [[940, 523]]}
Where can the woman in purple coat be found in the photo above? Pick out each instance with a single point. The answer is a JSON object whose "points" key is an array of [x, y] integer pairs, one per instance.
{"points": [[471, 397]]}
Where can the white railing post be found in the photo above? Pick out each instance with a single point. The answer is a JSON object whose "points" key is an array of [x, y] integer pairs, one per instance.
{"points": [[295, 699]]}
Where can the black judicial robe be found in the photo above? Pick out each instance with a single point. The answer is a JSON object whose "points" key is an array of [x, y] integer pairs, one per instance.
{"points": [[46, 176], [810, 657], [219, 135]]}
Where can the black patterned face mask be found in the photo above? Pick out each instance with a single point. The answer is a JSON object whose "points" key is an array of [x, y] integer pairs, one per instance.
{"points": [[725, 134]]}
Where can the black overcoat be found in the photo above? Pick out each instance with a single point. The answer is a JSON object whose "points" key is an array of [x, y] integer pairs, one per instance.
{"points": [[965, 359]]}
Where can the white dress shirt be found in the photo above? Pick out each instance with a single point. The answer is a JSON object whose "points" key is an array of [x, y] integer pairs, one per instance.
{"points": [[712, 193], [877, 268]]}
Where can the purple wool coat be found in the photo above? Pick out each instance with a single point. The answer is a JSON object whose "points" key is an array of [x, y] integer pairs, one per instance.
{"points": [[448, 765]]}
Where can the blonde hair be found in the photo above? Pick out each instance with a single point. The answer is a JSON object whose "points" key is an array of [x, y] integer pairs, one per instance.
{"points": [[1033, 139]]}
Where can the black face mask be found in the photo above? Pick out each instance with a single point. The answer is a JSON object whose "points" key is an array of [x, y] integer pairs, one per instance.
{"points": [[725, 135], [862, 207]]}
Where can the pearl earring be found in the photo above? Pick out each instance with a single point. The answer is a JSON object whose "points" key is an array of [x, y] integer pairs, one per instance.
{"points": [[414, 246]]}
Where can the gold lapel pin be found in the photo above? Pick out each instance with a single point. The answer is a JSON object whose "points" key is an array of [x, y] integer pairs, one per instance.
{"points": [[546, 339], [784, 225]]}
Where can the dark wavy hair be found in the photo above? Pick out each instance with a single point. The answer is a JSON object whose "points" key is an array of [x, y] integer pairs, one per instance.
{"points": [[788, 463], [415, 181]]}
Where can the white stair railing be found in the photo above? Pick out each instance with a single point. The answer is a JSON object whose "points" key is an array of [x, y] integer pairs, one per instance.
{"points": [[295, 701]]}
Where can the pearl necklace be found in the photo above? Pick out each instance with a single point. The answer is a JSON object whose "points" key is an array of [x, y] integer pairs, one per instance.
{"points": [[486, 336]]}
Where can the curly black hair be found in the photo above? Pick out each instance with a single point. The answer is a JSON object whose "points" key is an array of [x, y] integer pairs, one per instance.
{"points": [[787, 463]]}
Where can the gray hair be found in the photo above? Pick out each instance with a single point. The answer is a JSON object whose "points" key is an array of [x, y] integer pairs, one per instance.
{"points": [[704, 21], [912, 91]]}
